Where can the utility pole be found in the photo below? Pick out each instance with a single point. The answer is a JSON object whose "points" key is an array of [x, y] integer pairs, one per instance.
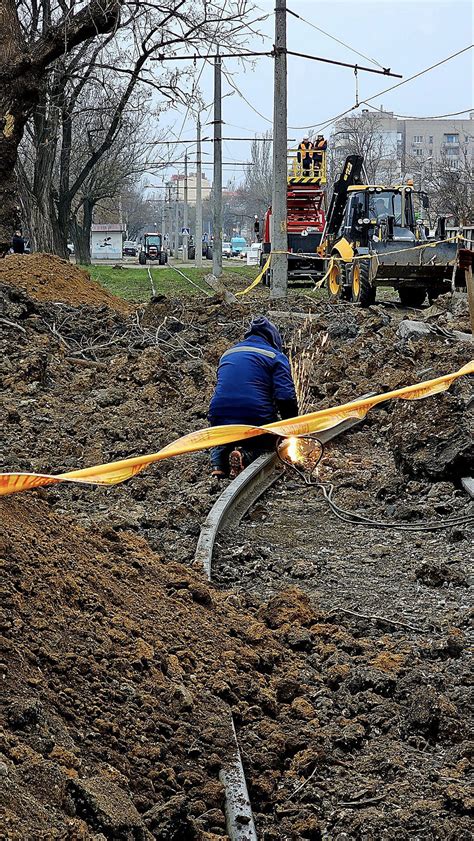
{"points": [[217, 185], [169, 225], [198, 238], [185, 210], [163, 205], [279, 236], [176, 220]]}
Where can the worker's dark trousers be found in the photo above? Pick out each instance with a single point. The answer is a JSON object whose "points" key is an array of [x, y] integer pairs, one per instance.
{"points": [[251, 448]]}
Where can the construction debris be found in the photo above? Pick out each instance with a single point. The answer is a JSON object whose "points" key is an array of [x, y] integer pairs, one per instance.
{"points": [[122, 663]]}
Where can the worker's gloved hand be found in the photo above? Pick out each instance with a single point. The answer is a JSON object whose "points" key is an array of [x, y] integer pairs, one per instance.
{"points": [[288, 408]]}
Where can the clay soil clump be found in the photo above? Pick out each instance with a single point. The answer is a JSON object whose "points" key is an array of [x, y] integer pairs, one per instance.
{"points": [[48, 278]]}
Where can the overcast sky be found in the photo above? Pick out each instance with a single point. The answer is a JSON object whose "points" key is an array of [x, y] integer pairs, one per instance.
{"points": [[406, 36]]}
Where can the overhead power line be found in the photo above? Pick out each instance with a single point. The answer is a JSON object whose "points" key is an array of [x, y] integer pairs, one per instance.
{"points": [[411, 117], [333, 38], [329, 121]]}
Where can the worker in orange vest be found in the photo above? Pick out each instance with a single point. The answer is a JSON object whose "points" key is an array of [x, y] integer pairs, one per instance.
{"points": [[305, 155], [319, 148]]}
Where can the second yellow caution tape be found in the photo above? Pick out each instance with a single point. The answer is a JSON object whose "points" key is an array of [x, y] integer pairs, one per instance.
{"points": [[118, 471], [334, 259]]}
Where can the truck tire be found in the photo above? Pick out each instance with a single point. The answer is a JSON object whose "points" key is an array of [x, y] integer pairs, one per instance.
{"points": [[142, 258], [162, 259], [335, 284], [362, 291], [412, 296], [209, 254]]}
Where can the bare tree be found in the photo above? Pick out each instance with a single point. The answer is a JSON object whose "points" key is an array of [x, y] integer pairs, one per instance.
{"points": [[364, 135], [450, 187], [111, 175], [255, 195], [37, 36]]}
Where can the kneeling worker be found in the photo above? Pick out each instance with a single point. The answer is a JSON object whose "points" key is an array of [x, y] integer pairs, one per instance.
{"points": [[254, 385]]}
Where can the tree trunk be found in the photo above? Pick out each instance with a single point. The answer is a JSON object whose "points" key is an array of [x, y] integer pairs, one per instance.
{"points": [[12, 124], [81, 234], [18, 90]]}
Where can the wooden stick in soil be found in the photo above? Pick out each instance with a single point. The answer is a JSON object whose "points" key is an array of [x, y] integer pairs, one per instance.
{"points": [[379, 619]]}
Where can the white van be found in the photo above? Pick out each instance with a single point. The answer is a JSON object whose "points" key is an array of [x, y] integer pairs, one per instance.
{"points": [[253, 254]]}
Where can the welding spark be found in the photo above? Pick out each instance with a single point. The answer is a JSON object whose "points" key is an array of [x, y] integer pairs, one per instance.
{"points": [[302, 453], [292, 449]]}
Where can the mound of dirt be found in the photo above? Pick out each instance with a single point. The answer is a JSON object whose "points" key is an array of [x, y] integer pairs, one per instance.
{"points": [[122, 662], [48, 278]]}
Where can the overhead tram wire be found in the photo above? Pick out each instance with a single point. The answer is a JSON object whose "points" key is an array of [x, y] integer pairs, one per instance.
{"points": [[196, 82], [333, 38], [330, 120], [411, 117]]}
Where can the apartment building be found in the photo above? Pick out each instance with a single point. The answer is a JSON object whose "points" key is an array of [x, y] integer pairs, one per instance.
{"points": [[177, 185], [408, 146], [433, 140]]}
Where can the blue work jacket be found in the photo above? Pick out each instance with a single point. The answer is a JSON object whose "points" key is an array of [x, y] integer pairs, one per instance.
{"points": [[251, 378]]}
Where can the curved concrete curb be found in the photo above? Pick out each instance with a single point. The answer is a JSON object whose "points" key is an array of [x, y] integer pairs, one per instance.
{"points": [[234, 502], [230, 507]]}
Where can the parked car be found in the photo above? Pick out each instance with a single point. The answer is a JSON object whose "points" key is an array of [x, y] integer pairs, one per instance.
{"points": [[226, 249], [238, 244], [130, 248]]}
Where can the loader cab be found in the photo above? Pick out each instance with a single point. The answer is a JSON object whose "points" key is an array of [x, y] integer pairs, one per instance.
{"points": [[374, 212]]}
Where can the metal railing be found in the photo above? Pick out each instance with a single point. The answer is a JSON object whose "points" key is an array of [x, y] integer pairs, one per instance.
{"points": [[309, 163]]}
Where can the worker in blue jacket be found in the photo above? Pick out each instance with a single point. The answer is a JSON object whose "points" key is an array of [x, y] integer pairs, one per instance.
{"points": [[254, 385]]}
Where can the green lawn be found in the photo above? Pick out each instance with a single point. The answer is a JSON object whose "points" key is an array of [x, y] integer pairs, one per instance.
{"points": [[133, 284]]}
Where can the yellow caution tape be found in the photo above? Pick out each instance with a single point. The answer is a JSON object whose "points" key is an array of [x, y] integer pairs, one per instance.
{"points": [[258, 278], [118, 471], [333, 258]]}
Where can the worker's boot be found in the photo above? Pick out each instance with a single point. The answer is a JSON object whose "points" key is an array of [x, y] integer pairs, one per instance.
{"points": [[236, 462]]}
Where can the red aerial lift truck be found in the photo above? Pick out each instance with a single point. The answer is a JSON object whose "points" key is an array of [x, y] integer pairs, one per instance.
{"points": [[306, 217]]}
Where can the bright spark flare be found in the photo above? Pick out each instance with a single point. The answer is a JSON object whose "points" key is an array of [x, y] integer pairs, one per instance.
{"points": [[292, 449]]}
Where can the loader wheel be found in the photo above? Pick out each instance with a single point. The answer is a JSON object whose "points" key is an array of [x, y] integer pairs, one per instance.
{"points": [[363, 293], [142, 258], [162, 259], [335, 285], [412, 296]]}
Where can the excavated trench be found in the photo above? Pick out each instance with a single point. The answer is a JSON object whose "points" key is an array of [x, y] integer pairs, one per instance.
{"points": [[121, 661]]}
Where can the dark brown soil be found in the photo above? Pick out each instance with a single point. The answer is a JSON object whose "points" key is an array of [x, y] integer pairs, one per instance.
{"points": [[48, 278], [122, 663]]}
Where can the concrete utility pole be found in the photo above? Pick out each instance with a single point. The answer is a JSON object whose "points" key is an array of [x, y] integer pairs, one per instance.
{"points": [[176, 220], [198, 238], [163, 207], [185, 210], [217, 185], [169, 224], [279, 236]]}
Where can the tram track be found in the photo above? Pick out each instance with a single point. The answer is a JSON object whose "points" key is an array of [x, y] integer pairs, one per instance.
{"points": [[227, 512]]}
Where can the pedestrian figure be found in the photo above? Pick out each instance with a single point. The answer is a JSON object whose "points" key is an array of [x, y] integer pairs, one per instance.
{"points": [[256, 228], [18, 243]]}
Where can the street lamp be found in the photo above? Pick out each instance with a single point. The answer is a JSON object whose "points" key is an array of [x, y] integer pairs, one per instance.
{"points": [[422, 171]]}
